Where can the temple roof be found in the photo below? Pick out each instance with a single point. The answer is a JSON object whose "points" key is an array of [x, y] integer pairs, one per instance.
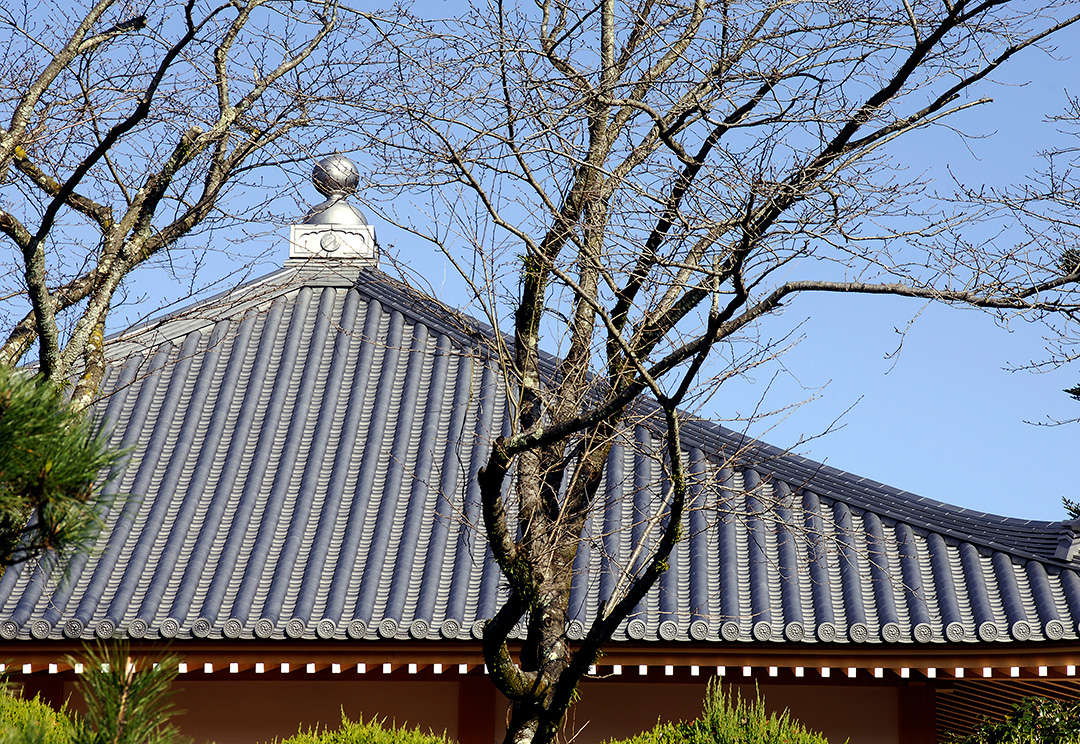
{"points": [[304, 452]]}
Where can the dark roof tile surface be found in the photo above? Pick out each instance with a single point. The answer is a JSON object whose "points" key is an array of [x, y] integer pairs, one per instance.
{"points": [[304, 457]]}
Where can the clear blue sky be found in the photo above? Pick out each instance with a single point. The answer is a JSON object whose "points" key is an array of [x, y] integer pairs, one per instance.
{"points": [[945, 419]]}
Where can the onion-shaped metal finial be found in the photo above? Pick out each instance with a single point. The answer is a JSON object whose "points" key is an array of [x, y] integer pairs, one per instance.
{"points": [[335, 177]]}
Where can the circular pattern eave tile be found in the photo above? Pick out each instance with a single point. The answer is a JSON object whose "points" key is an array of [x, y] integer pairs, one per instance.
{"points": [[890, 633], [388, 628], [74, 628], [419, 629], [922, 633], [137, 628], [955, 632], [636, 629], [232, 628], [264, 628], [1020, 630], [988, 631], [450, 629], [170, 628], [295, 628]]}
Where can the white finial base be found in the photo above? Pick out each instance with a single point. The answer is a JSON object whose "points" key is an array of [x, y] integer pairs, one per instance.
{"points": [[352, 243]]}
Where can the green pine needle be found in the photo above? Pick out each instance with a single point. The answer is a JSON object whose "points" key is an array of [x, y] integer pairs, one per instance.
{"points": [[50, 460]]}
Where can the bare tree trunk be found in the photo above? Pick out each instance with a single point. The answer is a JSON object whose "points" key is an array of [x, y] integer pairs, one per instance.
{"points": [[640, 183]]}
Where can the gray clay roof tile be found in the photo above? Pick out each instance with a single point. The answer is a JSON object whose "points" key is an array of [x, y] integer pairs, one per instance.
{"points": [[304, 457]]}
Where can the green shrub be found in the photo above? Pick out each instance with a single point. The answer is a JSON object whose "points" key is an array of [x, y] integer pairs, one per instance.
{"points": [[372, 732], [31, 721], [1033, 720], [728, 719]]}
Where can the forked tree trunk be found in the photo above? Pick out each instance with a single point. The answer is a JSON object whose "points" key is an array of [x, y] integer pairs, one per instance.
{"points": [[542, 682]]}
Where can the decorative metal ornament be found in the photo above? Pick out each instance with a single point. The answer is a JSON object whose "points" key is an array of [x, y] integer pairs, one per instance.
{"points": [[330, 242], [335, 174], [334, 229], [335, 177]]}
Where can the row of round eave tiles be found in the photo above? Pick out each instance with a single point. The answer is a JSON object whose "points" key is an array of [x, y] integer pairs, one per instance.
{"points": [[636, 629]]}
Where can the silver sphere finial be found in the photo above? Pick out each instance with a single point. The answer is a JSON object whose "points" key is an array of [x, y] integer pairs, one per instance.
{"points": [[334, 230], [335, 175]]}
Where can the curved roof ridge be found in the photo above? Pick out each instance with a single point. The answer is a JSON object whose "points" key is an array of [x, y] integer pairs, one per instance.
{"points": [[1027, 538], [265, 289]]}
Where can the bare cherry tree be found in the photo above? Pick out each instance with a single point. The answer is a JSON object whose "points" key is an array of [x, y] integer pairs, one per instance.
{"points": [[634, 186], [123, 131]]}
